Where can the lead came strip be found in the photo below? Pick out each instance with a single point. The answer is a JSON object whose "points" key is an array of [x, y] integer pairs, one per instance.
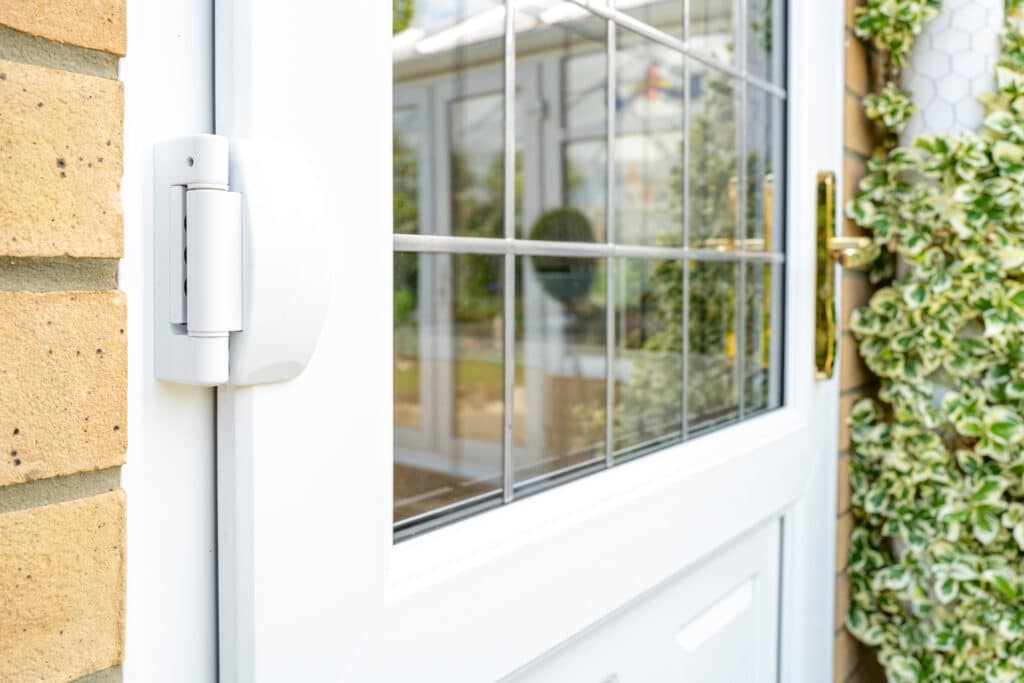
{"points": [[509, 294], [445, 244], [684, 321], [741, 219], [611, 375]]}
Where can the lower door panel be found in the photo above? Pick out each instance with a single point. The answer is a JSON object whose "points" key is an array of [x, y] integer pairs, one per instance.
{"points": [[716, 622]]}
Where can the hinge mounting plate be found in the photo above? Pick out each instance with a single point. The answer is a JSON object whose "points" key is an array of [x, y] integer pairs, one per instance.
{"points": [[197, 260]]}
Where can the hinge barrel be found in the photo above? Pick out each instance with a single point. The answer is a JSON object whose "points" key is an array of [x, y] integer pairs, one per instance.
{"points": [[213, 262]]}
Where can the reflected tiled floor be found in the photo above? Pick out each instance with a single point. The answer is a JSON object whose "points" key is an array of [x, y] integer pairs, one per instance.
{"points": [[419, 490]]}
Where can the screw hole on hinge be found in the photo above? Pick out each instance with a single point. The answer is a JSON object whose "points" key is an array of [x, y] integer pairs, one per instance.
{"points": [[184, 255], [184, 287], [190, 161]]}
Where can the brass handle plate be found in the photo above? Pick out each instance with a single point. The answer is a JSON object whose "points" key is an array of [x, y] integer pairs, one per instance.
{"points": [[824, 279]]}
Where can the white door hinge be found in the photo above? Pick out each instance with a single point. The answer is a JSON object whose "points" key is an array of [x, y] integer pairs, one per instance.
{"points": [[219, 254]]}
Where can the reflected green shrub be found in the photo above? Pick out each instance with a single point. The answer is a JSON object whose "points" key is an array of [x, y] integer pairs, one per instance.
{"points": [[566, 279]]}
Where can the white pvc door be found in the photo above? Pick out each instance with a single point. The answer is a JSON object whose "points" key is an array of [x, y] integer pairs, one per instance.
{"points": [[710, 557]]}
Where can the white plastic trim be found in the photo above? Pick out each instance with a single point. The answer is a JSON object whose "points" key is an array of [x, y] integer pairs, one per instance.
{"points": [[286, 273]]}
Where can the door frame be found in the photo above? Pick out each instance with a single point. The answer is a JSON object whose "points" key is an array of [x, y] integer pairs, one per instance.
{"points": [[169, 475], [309, 575]]}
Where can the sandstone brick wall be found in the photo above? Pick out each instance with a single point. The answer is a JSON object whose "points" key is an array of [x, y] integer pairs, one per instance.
{"points": [[63, 357], [853, 662]]}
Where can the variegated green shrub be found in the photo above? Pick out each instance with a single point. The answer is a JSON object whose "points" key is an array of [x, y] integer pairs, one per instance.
{"points": [[892, 25], [891, 109], [936, 563]]}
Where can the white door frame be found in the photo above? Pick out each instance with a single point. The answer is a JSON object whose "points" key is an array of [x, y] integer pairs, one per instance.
{"points": [[171, 632], [817, 92], [311, 586]]}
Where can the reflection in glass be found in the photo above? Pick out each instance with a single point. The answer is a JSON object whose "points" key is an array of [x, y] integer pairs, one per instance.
{"points": [[585, 166], [584, 72], [714, 161], [448, 377], [408, 402], [561, 80], [559, 398], [648, 357], [712, 29], [679, 124], [448, 92], [765, 36], [761, 373], [712, 397], [406, 169], [648, 143], [664, 15], [764, 155], [477, 159]]}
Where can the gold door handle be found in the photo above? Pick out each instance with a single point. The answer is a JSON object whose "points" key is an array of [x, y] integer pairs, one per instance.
{"points": [[824, 279], [849, 252], [853, 253]]}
